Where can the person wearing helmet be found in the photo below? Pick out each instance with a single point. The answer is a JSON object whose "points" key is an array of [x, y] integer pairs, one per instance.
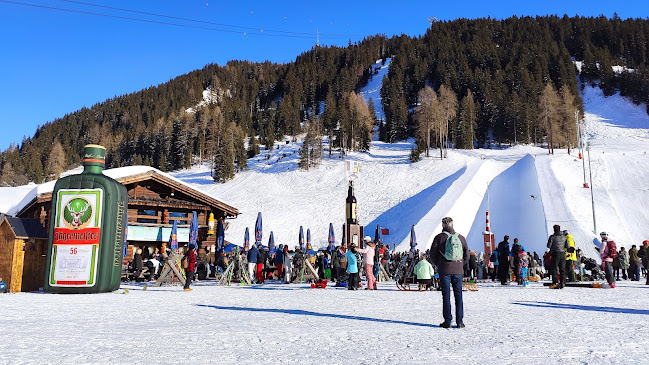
{"points": [[571, 257], [368, 253]]}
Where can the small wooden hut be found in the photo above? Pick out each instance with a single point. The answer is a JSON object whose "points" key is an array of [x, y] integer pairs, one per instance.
{"points": [[23, 252]]}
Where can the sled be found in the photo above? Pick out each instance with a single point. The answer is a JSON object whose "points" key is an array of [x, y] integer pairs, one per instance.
{"points": [[411, 286], [320, 284], [469, 285]]}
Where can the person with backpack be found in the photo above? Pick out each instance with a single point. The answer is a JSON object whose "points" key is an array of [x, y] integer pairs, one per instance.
{"points": [[503, 261], [493, 263], [557, 244], [608, 251], [189, 266], [448, 253]]}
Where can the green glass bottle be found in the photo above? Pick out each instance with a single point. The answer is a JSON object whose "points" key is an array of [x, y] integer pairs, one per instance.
{"points": [[87, 230]]}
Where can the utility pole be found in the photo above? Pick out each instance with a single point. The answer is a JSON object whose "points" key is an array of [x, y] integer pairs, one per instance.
{"points": [[592, 198], [580, 144]]}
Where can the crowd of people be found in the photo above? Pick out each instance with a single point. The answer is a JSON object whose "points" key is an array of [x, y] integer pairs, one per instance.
{"points": [[563, 262]]}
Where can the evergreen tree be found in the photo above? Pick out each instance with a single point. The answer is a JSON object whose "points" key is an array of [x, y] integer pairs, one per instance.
{"points": [[253, 147], [467, 122], [55, 162], [225, 155]]}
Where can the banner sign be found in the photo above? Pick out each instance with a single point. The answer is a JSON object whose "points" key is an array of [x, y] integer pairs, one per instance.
{"points": [[353, 169], [156, 234], [75, 245]]}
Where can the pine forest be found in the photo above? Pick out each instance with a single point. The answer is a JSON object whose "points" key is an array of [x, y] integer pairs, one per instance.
{"points": [[463, 84]]}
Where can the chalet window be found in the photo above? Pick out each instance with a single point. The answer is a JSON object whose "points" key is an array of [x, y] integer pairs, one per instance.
{"points": [[152, 213], [175, 216]]}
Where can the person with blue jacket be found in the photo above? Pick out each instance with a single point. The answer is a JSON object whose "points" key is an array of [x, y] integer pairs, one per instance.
{"points": [[352, 267], [279, 261]]}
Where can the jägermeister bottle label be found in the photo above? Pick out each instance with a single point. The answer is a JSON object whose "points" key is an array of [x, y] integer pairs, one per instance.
{"points": [[76, 241]]}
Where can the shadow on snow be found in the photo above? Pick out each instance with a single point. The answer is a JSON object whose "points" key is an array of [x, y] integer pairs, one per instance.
{"points": [[301, 312], [593, 308], [413, 208]]}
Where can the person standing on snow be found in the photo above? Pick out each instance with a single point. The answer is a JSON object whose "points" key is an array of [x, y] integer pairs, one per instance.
{"points": [[634, 270], [608, 252], [503, 261], [190, 256], [424, 271], [368, 262], [252, 254], [571, 257], [557, 244], [624, 263], [448, 253], [262, 256], [352, 267], [278, 260]]}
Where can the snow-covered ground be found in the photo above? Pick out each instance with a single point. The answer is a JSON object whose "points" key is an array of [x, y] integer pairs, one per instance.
{"points": [[295, 324], [526, 190]]}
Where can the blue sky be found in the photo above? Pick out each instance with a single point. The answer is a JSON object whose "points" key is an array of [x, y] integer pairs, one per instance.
{"points": [[55, 62]]}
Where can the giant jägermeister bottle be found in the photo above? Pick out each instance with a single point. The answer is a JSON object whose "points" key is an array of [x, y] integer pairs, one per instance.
{"points": [[87, 229]]}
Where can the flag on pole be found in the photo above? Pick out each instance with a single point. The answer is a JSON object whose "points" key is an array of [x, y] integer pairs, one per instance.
{"points": [[332, 238], [193, 230], [301, 240], [173, 238], [220, 235], [258, 229], [246, 239], [271, 243], [378, 235], [413, 239]]}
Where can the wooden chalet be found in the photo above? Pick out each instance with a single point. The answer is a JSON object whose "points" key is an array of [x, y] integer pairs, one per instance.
{"points": [[23, 251], [156, 200]]}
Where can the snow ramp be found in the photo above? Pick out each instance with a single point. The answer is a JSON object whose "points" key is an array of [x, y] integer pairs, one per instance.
{"points": [[462, 197], [515, 208]]}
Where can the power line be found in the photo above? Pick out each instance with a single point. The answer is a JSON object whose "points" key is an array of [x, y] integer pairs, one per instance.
{"points": [[261, 31], [207, 22]]}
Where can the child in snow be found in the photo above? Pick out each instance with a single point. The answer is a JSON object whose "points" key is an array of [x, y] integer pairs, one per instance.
{"points": [[522, 267]]}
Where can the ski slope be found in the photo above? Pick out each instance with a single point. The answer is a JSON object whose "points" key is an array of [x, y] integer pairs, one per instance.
{"points": [[530, 190]]}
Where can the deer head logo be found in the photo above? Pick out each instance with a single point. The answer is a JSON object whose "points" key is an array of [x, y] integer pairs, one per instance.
{"points": [[77, 213]]}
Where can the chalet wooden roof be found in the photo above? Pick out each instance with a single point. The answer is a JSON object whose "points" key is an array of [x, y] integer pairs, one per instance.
{"points": [[26, 228], [140, 175]]}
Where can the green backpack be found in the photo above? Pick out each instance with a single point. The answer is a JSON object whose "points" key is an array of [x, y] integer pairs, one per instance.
{"points": [[454, 251]]}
